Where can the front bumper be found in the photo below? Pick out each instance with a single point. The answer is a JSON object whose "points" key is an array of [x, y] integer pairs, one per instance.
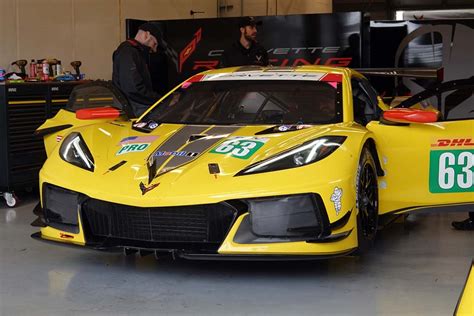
{"points": [[237, 230]]}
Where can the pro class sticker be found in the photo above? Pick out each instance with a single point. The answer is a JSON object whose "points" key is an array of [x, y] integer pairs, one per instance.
{"points": [[137, 140], [132, 148], [240, 147], [451, 171], [135, 144]]}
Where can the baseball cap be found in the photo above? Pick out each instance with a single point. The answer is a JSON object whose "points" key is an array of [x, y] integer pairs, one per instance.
{"points": [[152, 28], [248, 21]]}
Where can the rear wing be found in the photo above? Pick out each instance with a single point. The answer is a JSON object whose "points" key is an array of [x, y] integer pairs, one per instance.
{"points": [[437, 90], [398, 92], [426, 73]]}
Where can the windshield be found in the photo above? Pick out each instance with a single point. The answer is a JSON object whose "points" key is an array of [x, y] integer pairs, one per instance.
{"points": [[251, 102]]}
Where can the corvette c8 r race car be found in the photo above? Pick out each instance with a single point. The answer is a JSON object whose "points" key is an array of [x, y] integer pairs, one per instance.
{"points": [[252, 163]]}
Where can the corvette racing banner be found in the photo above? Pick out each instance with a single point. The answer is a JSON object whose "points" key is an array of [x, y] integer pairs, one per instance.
{"points": [[192, 46]]}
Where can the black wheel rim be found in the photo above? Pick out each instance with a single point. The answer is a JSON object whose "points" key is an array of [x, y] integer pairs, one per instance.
{"points": [[368, 200]]}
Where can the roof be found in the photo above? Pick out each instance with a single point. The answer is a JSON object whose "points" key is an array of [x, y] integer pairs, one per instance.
{"points": [[305, 72]]}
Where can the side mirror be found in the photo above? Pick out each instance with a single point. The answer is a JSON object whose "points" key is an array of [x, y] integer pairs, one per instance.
{"points": [[404, 115], [98, 113]]}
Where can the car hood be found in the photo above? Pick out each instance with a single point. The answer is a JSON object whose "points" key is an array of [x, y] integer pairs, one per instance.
{"points": [[177, 145], [206, 175]]}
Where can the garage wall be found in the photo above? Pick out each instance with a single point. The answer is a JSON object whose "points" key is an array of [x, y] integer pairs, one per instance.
{"points": [[62, 29], [232, 8], [90, 30], [8, 32], [285, 7], [93, 43]]}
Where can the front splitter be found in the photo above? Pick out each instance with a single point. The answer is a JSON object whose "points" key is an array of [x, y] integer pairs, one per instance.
{"points": [[183, 254]]}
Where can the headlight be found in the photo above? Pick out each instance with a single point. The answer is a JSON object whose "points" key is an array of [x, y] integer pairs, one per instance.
{"points": [[74, 150], [305, 154]]}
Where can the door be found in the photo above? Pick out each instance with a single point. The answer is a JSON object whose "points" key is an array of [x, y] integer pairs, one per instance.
{"points": [[430, 165]]}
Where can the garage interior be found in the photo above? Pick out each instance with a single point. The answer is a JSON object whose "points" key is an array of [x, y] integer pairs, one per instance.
{"points": [[418, 264]]}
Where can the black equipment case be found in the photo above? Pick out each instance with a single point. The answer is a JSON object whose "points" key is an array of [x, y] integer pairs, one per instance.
{"points": [[23, 108]]}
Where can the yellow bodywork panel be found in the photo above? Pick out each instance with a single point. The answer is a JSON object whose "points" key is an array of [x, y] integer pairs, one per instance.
{"points": [[63, 117], [230, 247], [465, 305], [416, 174], [54, 234]]}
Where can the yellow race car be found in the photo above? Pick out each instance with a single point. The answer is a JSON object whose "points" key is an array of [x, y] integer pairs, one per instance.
{"points": [[252, 163]]}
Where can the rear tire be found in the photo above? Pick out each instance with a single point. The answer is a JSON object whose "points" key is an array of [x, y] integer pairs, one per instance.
{"points": [[367, 201]]}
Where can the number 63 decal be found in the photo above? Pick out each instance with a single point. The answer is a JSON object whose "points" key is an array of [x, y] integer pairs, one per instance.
{"points": [[451, 171], [240, 147]]}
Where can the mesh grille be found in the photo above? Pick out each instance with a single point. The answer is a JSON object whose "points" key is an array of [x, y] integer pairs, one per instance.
{"points": [[198, 223]]}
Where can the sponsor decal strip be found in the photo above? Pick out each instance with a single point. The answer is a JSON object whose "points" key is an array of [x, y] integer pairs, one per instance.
{"points": [[175, 153], [264, 75]]}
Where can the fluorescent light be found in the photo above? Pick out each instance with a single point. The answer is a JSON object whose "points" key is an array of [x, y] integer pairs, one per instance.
{"points": [[399, 15]]}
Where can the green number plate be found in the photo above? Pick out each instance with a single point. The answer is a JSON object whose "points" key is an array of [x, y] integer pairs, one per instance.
{"points": [[451, 171], [240, 147]]}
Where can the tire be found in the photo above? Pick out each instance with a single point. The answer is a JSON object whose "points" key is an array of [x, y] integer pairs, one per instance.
{"points": [[11, 199], [367, 201]]}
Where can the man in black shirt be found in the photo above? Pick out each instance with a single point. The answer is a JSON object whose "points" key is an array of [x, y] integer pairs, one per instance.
{"points": [[245, 51], [130, 68]]}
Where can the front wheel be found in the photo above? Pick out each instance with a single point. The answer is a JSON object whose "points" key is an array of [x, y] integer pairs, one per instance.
{"points": [[367, 201]]}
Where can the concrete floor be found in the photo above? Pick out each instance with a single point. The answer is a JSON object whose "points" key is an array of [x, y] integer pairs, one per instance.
{"points": [[416, 268]]}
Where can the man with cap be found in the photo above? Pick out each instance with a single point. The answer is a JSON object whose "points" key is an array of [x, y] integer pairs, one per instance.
{"points": [[245, 51], [130, 68]]}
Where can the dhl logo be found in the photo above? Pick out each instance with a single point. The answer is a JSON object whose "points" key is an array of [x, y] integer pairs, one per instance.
{"points": [[454, 142]]}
